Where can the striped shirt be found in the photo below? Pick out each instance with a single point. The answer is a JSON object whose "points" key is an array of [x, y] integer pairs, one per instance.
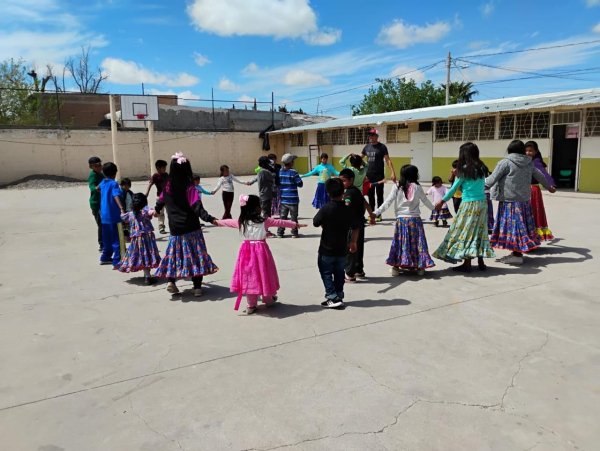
{"points": [[289, 181]]}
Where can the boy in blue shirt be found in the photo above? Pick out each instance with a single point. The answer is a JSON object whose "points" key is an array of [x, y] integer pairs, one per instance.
{"points": [[289, 182], [111, 209]]}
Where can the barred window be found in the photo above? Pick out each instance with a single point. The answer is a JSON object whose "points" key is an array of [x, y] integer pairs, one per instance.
{"points": [[324, 138], [297, 139], [541, 125], [471, 129], [487, 127], [507, 127], [357, 136], [339, 136], [567, 117], [592, 122], [441, 130], [397, 133], [523, 125], [455, 128]]}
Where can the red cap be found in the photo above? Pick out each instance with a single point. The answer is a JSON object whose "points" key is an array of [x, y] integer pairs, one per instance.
{"points": [[373, 131]]}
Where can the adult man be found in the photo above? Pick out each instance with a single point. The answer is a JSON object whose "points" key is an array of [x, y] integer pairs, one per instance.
{"points": [[377, 154]]}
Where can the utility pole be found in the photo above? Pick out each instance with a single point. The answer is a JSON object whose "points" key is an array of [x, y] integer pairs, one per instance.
{"points": [[448, 61]]}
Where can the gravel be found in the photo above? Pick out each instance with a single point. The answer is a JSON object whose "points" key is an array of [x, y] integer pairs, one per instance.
{"points": [[43, 183]]}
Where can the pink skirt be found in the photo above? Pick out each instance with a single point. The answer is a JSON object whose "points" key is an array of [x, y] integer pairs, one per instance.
{"points": [[255, 271]]}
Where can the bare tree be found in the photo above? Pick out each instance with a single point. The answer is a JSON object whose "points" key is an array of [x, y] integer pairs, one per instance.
{"points": [[86, 79]]}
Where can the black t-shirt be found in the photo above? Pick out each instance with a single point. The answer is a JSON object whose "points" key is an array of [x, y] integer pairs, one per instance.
{"points": [[375, 155], [336, 220], [354, 200]]}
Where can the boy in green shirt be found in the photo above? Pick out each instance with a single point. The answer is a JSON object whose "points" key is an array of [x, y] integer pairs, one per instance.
{"points": [[94, 179]]}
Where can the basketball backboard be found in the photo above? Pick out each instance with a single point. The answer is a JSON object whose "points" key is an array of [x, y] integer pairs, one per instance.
{"points": [[139, 108]]}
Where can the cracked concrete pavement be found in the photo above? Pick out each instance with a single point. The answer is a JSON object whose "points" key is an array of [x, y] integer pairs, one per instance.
{"points": [[94, 360]]}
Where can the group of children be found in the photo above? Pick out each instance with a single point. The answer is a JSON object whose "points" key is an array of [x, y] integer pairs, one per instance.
{"points": [[341, 215]]}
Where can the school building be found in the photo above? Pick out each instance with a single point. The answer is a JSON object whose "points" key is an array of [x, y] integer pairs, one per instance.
{"points": [[566, 126]]}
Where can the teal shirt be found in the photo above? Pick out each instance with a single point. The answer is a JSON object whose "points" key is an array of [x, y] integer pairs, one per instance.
{"points": [[324, 171], [472, 190]]}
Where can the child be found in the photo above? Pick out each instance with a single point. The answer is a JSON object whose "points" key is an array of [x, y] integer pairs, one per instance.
{"points": [[142, 253], [537, 201], [186, 254], [409, 246], [357, 165], [289, 182], [111, 209], [324, 171], [255, 272], [457, 197], [510, 182], [226, 181], [276, 203], [437, 192], [336, 220], [266, 185], [127, 202], [159, 179], [94, 179], [467, 237], [199, 187], [354, 200]]}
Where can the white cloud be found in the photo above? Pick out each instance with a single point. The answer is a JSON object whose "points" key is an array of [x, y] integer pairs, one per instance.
{"points": [[200, 59], [487, 8], [596, 29], [401, 34], [591, 3], [131, 73], [183, 97], [301, 77], [250, 68], [227, 85], [245, 98], [408, 73], [277, 18]]}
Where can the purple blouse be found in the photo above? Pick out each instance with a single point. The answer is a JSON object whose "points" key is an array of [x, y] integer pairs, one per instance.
{"points": [[539, 164], [140, 224]]}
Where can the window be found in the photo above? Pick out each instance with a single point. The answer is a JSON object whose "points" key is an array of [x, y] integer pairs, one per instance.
{"points": [[592, 122], [357, 136], [455, 130], [487, 127], [541, 125], [297, 139], [324, 137], [339, 136], [523, 125], [507, 127], [397, 133], [441, 130], [567, 117], [471, 129]]}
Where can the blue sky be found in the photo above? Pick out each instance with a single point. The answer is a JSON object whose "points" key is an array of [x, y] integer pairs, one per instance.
{"points": [[306, 51]]}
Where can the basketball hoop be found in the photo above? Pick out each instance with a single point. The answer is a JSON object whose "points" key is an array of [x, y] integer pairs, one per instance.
{"points": [[141, 117]]}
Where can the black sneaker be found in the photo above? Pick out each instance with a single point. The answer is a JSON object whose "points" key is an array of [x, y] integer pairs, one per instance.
{"points": [[332, 303]]}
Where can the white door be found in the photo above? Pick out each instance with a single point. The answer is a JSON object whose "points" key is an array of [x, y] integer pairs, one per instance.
{"points": [[422, 154]]}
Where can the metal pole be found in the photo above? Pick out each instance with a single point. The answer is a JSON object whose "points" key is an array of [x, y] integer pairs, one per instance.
{"points": [[272, 110], [113, 130], [212, 99], [151, 144], [448, 79]]}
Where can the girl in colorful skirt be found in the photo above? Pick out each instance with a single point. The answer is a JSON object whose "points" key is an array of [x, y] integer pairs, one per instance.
{"points": [[436, 193], [409, 247], [142, 253], [186, 254], [537, 201], [467, 237], [324, 171], [514, 228], [255, 272]]}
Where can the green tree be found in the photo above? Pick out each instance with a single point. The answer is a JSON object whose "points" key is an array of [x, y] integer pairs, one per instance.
{"points": [[461, 91], [17, 104]]}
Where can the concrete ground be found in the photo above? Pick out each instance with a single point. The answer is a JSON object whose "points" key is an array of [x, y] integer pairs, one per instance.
{"points": [[91, 359]]}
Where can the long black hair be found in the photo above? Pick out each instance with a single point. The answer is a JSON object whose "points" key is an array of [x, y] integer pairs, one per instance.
{"points": [[470, 165], [139, 202], [180, 179], [250, 213], [408, 174]]}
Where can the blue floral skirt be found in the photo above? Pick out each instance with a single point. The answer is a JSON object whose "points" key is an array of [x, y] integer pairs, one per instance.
{"points": [[186, 256], [321, 196], [141, 254], [409, 247], [442, 215], [514, 229]]}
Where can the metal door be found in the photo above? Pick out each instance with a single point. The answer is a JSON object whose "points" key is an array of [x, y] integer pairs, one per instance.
{"points": [[422, 154]]}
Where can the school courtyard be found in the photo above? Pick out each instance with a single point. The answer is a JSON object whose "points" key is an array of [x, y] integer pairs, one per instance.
{"points": [[92, 359]]}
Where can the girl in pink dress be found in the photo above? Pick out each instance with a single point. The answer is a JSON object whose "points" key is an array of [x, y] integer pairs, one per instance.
{"points": [[255, 273]]}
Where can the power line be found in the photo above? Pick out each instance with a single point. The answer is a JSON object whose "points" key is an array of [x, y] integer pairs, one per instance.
{"points": [[508, 52]]}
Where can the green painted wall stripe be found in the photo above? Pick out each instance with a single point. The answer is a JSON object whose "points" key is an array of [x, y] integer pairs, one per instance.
{"points": [[589, 175]]}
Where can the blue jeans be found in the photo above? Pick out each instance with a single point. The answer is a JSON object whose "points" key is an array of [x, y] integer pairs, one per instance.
{"points": [[332, 274], [111, 249]]}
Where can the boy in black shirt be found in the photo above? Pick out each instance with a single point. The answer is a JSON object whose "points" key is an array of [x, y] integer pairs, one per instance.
{"points": [[336, 220], [354, 200]]}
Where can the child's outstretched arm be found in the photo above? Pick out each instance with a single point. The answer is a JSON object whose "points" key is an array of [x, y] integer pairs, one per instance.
{"points": [[423, 197], [270, 222], [388, 201], [236, 180], [218, 187], [232, 223], [316, 171]]}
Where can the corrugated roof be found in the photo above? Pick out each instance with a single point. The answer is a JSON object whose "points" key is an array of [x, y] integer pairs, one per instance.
{"points": [[482, 107]]}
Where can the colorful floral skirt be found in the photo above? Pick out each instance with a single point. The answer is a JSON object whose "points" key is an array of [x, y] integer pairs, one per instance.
{"points": [[490, 213], [276, 203], [321, 197], [186, 256], [142, 253], [515, 228], [468, 234], [539, 214], [442, 215], [409, 247]]}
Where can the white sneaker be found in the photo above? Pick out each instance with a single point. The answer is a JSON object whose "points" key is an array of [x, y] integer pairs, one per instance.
{"points": [[512, 260], [172, 288], [197, 292], [332, 303], [395, 271]]}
